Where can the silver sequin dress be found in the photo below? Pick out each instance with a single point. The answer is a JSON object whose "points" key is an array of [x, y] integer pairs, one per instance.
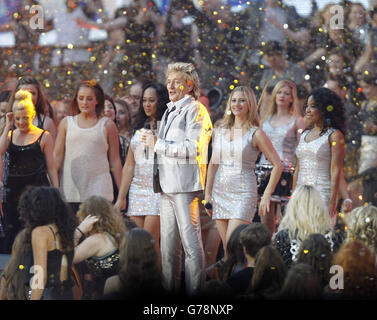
{"points": [[234, 194], [314, 164], [284, 139], [142, 201]]}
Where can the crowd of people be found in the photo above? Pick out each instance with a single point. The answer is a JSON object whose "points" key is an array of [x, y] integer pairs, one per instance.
{"points": [[243, 139]]}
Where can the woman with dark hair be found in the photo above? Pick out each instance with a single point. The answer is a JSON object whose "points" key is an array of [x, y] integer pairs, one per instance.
{"points": [[139, 275], [320, 152], [137, 179], [315, 250], [235, 258], [45, 114], [52, 226], [87, 148]]}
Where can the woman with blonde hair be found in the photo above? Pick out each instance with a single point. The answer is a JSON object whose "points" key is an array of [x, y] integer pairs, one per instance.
{"points": [[306, 214], [29, 161], [362, 225], [231, 183], [102, 230], [283, 125]]}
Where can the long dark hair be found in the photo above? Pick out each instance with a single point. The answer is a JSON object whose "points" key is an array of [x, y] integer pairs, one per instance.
{"points": [[163, 99], [42, 106], [40, 206], [98, 92], [332, 109]]}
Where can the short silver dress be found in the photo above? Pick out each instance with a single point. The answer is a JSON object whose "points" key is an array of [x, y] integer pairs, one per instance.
{"points": [[234, 193], [142, 201], [314, 164]]}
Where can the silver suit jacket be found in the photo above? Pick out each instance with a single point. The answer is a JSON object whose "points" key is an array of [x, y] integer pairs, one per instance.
{"points": [[182, 147]]}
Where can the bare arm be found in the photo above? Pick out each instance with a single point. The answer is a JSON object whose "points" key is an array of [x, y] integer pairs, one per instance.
{"points": [[5, 136], [59, 148], [88, 248], [127, 175], [114, 157], [364, 58], [39, 241], [295, 175], [49, 125], [263, 143], [48, 150], [336, 167]]}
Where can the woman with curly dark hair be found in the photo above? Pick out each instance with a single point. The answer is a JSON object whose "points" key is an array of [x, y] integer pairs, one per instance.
{"points": [[52, 226], [320, 152]]}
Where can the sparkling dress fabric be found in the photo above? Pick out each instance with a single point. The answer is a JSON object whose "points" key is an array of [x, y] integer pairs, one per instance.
{"points": [[142, 200], [234, 194], [283, 138], [314, 162], [86, 169]]}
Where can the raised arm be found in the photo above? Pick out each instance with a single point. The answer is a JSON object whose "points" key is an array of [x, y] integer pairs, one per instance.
{"points": [[5, 136]]}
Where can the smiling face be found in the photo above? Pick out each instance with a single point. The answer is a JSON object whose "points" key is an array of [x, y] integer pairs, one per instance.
{"points": [[150, 100], [109, 110], [177, 86], [312, 114], [22, 119], [239, 105], [86, 100]]}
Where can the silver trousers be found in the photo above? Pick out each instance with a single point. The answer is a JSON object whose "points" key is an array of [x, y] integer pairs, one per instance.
{"points": [[180, 226]]}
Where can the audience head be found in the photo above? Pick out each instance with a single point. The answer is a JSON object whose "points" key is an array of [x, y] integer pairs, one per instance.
{"points": [[88, 91], [316, 252], [246, 93], [123, 115], [235, 254], [274, 54], [330, 109], [306, 213], [182, 79], [269, 273], [359, 270], [4, 102], [362, 225], [38, 95], [255, 236], [39, 206], [109, 110], [368, 83], [338, 84], [108, 220], [139, 266], [301, 283]]}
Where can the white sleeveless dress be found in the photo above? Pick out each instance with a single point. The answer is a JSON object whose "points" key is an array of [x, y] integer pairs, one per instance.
{"points": [[86, 170], [142, 201]]}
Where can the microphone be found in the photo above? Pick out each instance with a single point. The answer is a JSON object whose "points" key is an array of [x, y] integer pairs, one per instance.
{"points": [[146, 148]]}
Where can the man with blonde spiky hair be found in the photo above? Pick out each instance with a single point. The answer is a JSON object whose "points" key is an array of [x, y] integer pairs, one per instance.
{"points": [[181, 147]]}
